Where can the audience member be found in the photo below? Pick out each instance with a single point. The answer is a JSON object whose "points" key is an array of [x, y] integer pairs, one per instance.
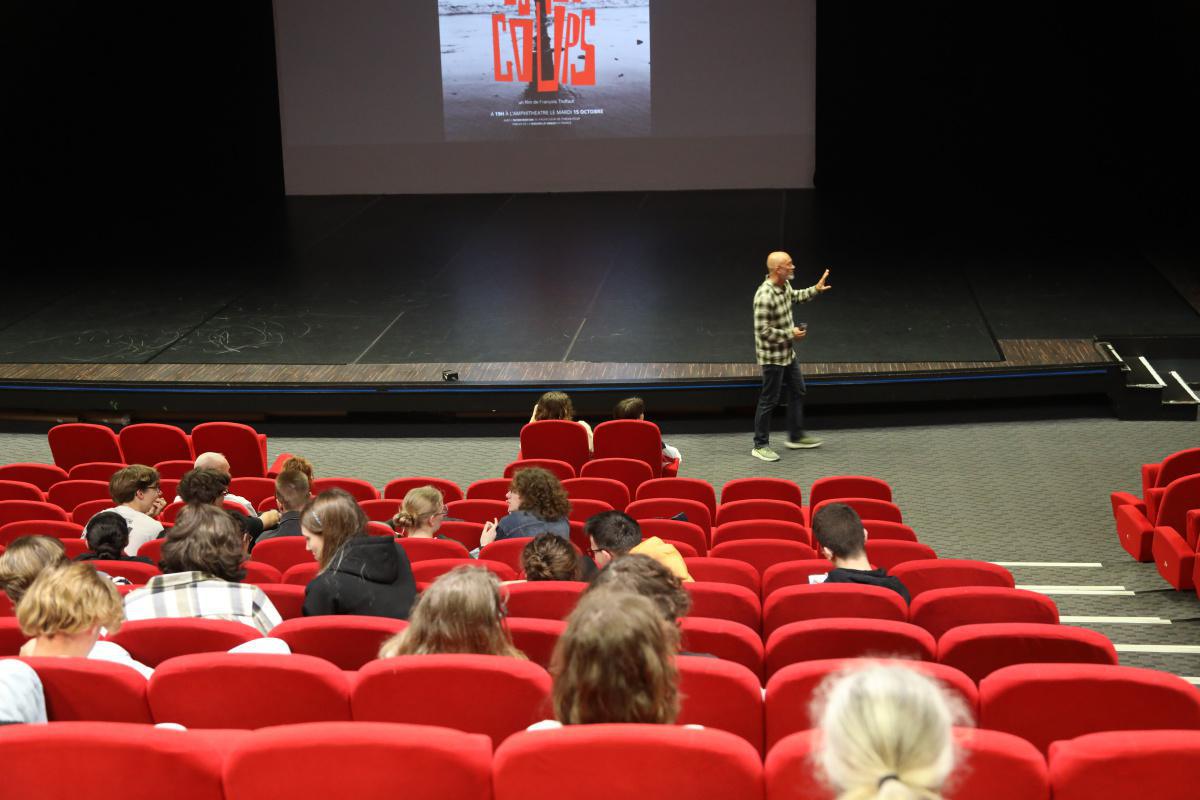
{"points": [[139, 500], [615, 663], [537, 503], [203, 555], [635, 408], [210, 487], [65, 612], [461, 612], [840, 535], [291, 493], [886, 732], [22, 699], [302, 464], [360, 574], [615, 533], [642, 575], [219, 463], [421, 514], [24, 560], [557, 405], [550, 558], [107, 536]]}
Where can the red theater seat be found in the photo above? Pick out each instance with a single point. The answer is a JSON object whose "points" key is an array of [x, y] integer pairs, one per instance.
{"points": [[632, 438], [668, 507], [287, 599], [867, 508], [1164, 765], [465, 533], [980, 650], [507, 551], [544, 599], [253, 489], [723, 695], [536, 638], [493, 695], [489, 489], [380, 510], [480, 511], [606, 490], [845, 637], [1135, 527], [300, 574], [79, 442], [151, 442], [763, 553], [92, 689], [244, 447], [724, 570], [95, 471], [890, 553], [684, 488], [25, 510], [674, 530], [1175, 551], [761, 529], [366, 761], [283, 552], [426, 549], [792, 573], [359, 489], [42, 476], [559, 469], [1043, 703], [84, 512], [730, 641], [836, 487], [346, 640], [582, 510], [11, 638], [245, 690], [823, 600], [398, 487], [739, 510], [882, 529], [791, 691], [174, 469], [55, 529], [20, 490], [664, 762], [154, 763], [762, 489], [151, 549], [429, 571], [556, 439], [725, 601], [629, 471], [939, 610], [257, 572], [152, 641], [945, 573], [134, 571]]}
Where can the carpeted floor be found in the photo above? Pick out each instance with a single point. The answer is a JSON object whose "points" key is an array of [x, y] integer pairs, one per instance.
{"points": [[1032, 491]]}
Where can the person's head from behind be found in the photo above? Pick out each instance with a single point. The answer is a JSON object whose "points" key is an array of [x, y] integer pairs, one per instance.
{"points": [[24, 560], [630, 408], [135, 486], [550, 558], [539, 492], [461, 612], [328, 521], [202, 486], [886, 732], [642, 575], [107, 535], [217, 462], [291, 490], [65, 608], [300, 463], [554, 405], [616, 662], [839, 532], [204, 539], [421, 513], [612, 534]]}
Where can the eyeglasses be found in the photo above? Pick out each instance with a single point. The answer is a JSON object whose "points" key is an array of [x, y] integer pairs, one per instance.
{"points": [[592, 552]]}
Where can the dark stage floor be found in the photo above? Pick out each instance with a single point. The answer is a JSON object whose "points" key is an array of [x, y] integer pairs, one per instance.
{"points": [[637, 277]]}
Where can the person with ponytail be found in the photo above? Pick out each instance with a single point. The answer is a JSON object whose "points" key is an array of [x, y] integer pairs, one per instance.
{"points": [[550, 558], [420, 514], [107, 536], [886, 731]]}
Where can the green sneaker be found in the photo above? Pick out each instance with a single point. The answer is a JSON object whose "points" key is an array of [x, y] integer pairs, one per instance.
{"points": [[805, 443], [765, 454]]}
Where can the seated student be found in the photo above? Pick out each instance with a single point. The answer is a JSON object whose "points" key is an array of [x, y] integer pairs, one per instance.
{"points": [[550, 558], [461, 612], [291, 493], [65, 611], [642, 575], [557, 405], [210, 487], [300, 463], [421, 514], [22, 699], [360, 574], [635, 408], [839, 532], [139, 500], [615, 533], [886, 732], [537, 503], [24, 560], [203, 557], [107, 536], [217, 462], [615, 663]]}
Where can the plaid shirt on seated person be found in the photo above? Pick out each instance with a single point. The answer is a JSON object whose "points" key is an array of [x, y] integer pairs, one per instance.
{"points": [[195, 594]]}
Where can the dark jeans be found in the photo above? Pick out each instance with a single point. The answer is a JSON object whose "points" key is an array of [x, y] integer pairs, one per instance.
{"points": [[774, 379]]}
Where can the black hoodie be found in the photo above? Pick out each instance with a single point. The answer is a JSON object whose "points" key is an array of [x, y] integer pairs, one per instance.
{"points": [[368, 575], [874, 577]]}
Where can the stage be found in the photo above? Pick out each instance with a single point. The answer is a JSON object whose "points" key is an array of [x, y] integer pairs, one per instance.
{"points": [[358, 304]]}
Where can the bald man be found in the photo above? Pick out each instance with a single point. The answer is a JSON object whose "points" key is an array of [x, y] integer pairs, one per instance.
{"points": [[774, 333]]}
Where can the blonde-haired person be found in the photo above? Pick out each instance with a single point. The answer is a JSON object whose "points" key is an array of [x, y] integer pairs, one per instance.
{"points": [[537, 504], [24, 560], [359, 573], [886, 732], [420, 514], [557, 405], [461, 612], [66, 610], [615, 663]]}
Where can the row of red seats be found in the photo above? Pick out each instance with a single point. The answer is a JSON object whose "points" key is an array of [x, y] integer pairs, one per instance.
{"points": [[499, 696], [374, 761]]}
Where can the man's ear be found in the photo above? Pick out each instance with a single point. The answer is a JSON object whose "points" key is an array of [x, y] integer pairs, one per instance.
{"points": [[826, 554], [866, 534]]}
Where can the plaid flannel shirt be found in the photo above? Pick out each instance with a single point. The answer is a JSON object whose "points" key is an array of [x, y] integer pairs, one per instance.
{"points": [[195, 594], [773, 323]]}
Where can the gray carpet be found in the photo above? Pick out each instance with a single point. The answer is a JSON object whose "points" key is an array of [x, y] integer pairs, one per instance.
{"points": [[1004, 491]]}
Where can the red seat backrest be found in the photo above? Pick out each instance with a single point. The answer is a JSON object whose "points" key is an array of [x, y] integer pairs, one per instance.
{"points": [[629, 438], [493, 695], [686, 488], [725, 601], [557, 439], [244, 447], [476, 510], [382, 510], [23, 510], [506, 551], [398, 487], [79, 442], [1176, 466], [300, 574], [883, 529], [981, 649], [944, 573], [287, 598], [629, 471], [761, 529], [489, 489], [1180, 497], [731, 641], [1164, 765], [889, 553], [867, 508], [152, 641], [792, 573], [667, 507], [560, 469], [258, 572], [151, 442], [583, 509], [42, 476], [135, 571], [428, 571], [760, 509], [724, 570], [606, 490], [792, 689], [253, 489], [95, 471], [723, 695], [174, 468], [248, 690], [543, 599], [763, 553], [845, 637], [421, 549], [675, 530], [90, 508], [55, 529], [20, 490], [939, 610], [91, 689], [282, 552], [835, 487], [465, 533], [1075, 699], [823, 600], [762, 489], [536, 637], [346, 640], [359, 489]]}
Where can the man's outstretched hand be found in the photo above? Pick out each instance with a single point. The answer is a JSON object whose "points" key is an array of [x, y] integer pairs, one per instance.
{"points": [[821, 285]]}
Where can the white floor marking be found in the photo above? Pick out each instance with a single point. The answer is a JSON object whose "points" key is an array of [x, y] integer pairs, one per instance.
{"points": [[1074, 620], [1075, 564], [1191, 649]]}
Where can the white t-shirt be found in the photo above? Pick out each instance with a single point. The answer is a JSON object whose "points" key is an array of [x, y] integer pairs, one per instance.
{"points": [[142, 528]]}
